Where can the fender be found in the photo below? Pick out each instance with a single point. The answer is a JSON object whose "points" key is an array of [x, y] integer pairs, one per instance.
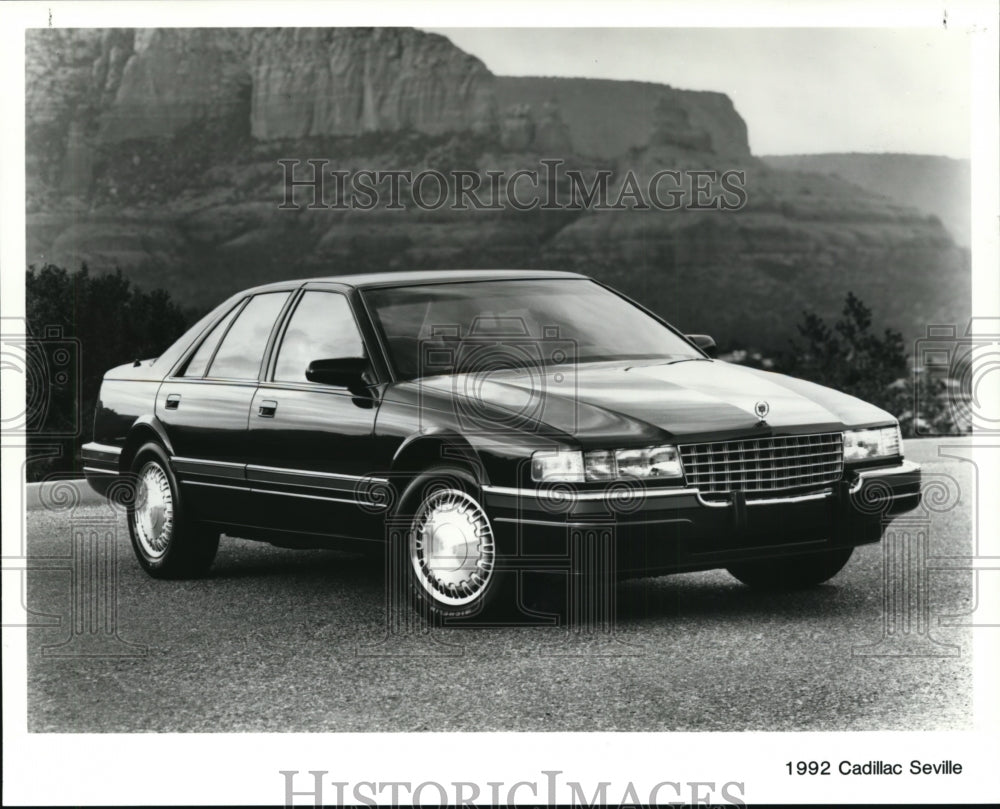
{"points": [[418, 451], [144, 428]]}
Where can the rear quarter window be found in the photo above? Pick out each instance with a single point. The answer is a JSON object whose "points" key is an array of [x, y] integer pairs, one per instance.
{"points": [[242, 349], [198, 364]]}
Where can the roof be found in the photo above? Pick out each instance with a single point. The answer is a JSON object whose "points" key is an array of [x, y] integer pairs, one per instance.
{"points": [[410, 277]]}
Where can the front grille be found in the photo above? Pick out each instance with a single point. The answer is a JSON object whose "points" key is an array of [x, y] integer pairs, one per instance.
{"points": [[763, 468]]}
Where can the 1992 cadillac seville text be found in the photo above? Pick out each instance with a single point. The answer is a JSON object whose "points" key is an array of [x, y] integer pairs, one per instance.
{"points": [[476, 424]]}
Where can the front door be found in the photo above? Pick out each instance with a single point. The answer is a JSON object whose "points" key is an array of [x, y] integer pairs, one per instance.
{"points": [[311, 465]]}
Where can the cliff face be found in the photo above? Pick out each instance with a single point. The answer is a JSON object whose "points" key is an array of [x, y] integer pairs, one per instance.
{"points": [[607, 118], [87, 88], [156, 151], [297, 82], [173, 77], [342, 81], [121, 83], [90, 87]]}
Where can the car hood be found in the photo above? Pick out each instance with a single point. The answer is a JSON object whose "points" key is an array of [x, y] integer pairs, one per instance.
{"points": [[651, 401]]}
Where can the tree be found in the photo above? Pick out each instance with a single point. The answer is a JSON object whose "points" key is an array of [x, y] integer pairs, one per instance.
{"points": [[852, 358], [101, 321]]}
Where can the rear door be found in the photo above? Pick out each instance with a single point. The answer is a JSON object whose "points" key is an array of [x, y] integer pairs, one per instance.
{"points": [[205, 407], [312, 446]]}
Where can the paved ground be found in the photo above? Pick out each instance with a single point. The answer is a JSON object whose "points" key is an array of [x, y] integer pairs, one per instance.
{"points": [[280, 640]]}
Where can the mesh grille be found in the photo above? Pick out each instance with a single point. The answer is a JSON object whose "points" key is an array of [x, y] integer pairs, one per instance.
{"points": [[764, 467]]}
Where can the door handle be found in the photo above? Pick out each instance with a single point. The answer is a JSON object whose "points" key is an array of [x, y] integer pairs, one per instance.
{"points": [[173, 401], [267, 408]]}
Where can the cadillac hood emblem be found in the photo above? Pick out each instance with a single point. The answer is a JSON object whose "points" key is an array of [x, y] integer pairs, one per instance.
{"points": [[762, 409]]}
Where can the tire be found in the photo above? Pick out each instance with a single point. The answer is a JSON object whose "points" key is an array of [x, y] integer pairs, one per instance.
{"points": [[792, 572], [167, 543], [445, 547]]}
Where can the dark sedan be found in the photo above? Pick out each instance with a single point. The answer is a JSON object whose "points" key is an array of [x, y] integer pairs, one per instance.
{"points": [[483, 424]]}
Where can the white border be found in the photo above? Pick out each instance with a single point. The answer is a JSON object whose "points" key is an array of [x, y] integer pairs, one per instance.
{"points": [[242, 768]]}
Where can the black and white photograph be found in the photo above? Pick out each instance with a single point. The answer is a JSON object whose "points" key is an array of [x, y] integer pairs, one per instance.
{"points": [[475, 404]]}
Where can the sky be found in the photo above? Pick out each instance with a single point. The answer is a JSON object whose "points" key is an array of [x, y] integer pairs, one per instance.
{"points": [[800, 90]]}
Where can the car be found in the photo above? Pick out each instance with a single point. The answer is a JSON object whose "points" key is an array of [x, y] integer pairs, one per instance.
{"points": [[480, 425]]}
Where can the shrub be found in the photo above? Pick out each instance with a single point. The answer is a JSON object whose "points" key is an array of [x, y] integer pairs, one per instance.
{"points": [[112, 322]]}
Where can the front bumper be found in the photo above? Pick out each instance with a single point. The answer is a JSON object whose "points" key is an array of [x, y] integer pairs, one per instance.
{"points": [[660, 530]]}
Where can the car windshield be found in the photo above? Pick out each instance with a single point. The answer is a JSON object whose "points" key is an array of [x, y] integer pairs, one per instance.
{"points": [[477, 326]]}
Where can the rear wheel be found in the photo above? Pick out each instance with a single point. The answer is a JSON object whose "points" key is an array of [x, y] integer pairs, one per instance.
{"points": [[167, 543], [447, 548], [792, 572]]}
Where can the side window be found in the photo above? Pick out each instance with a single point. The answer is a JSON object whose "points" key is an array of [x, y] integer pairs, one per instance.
{"points": [[321, 327], [198, 363], [242, 349]]}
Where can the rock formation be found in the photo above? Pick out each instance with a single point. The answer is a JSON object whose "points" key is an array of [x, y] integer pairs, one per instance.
{"points": [[116, 85], [607, 118], [156, 151], [346, 81], [517, 128], [174, 77], [939, 186]]}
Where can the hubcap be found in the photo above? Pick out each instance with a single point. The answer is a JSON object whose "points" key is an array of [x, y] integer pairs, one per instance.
{"points": [[451, 547], [154, 510]]}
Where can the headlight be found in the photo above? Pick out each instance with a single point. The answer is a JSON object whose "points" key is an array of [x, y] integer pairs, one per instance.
{"points": [[655, 462], [605, 464], [884, 442], [556, 465]]}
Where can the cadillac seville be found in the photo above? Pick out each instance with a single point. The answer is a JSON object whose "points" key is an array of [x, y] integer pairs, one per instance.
{"points": [[478, 424]]}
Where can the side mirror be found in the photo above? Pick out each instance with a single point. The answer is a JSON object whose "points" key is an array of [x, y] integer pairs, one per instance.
{"points": [[346, 372], [704, 342]]}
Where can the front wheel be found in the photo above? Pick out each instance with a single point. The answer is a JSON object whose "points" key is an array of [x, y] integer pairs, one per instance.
{"points": [[792, 572], [448, 549], [167, 543]]}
